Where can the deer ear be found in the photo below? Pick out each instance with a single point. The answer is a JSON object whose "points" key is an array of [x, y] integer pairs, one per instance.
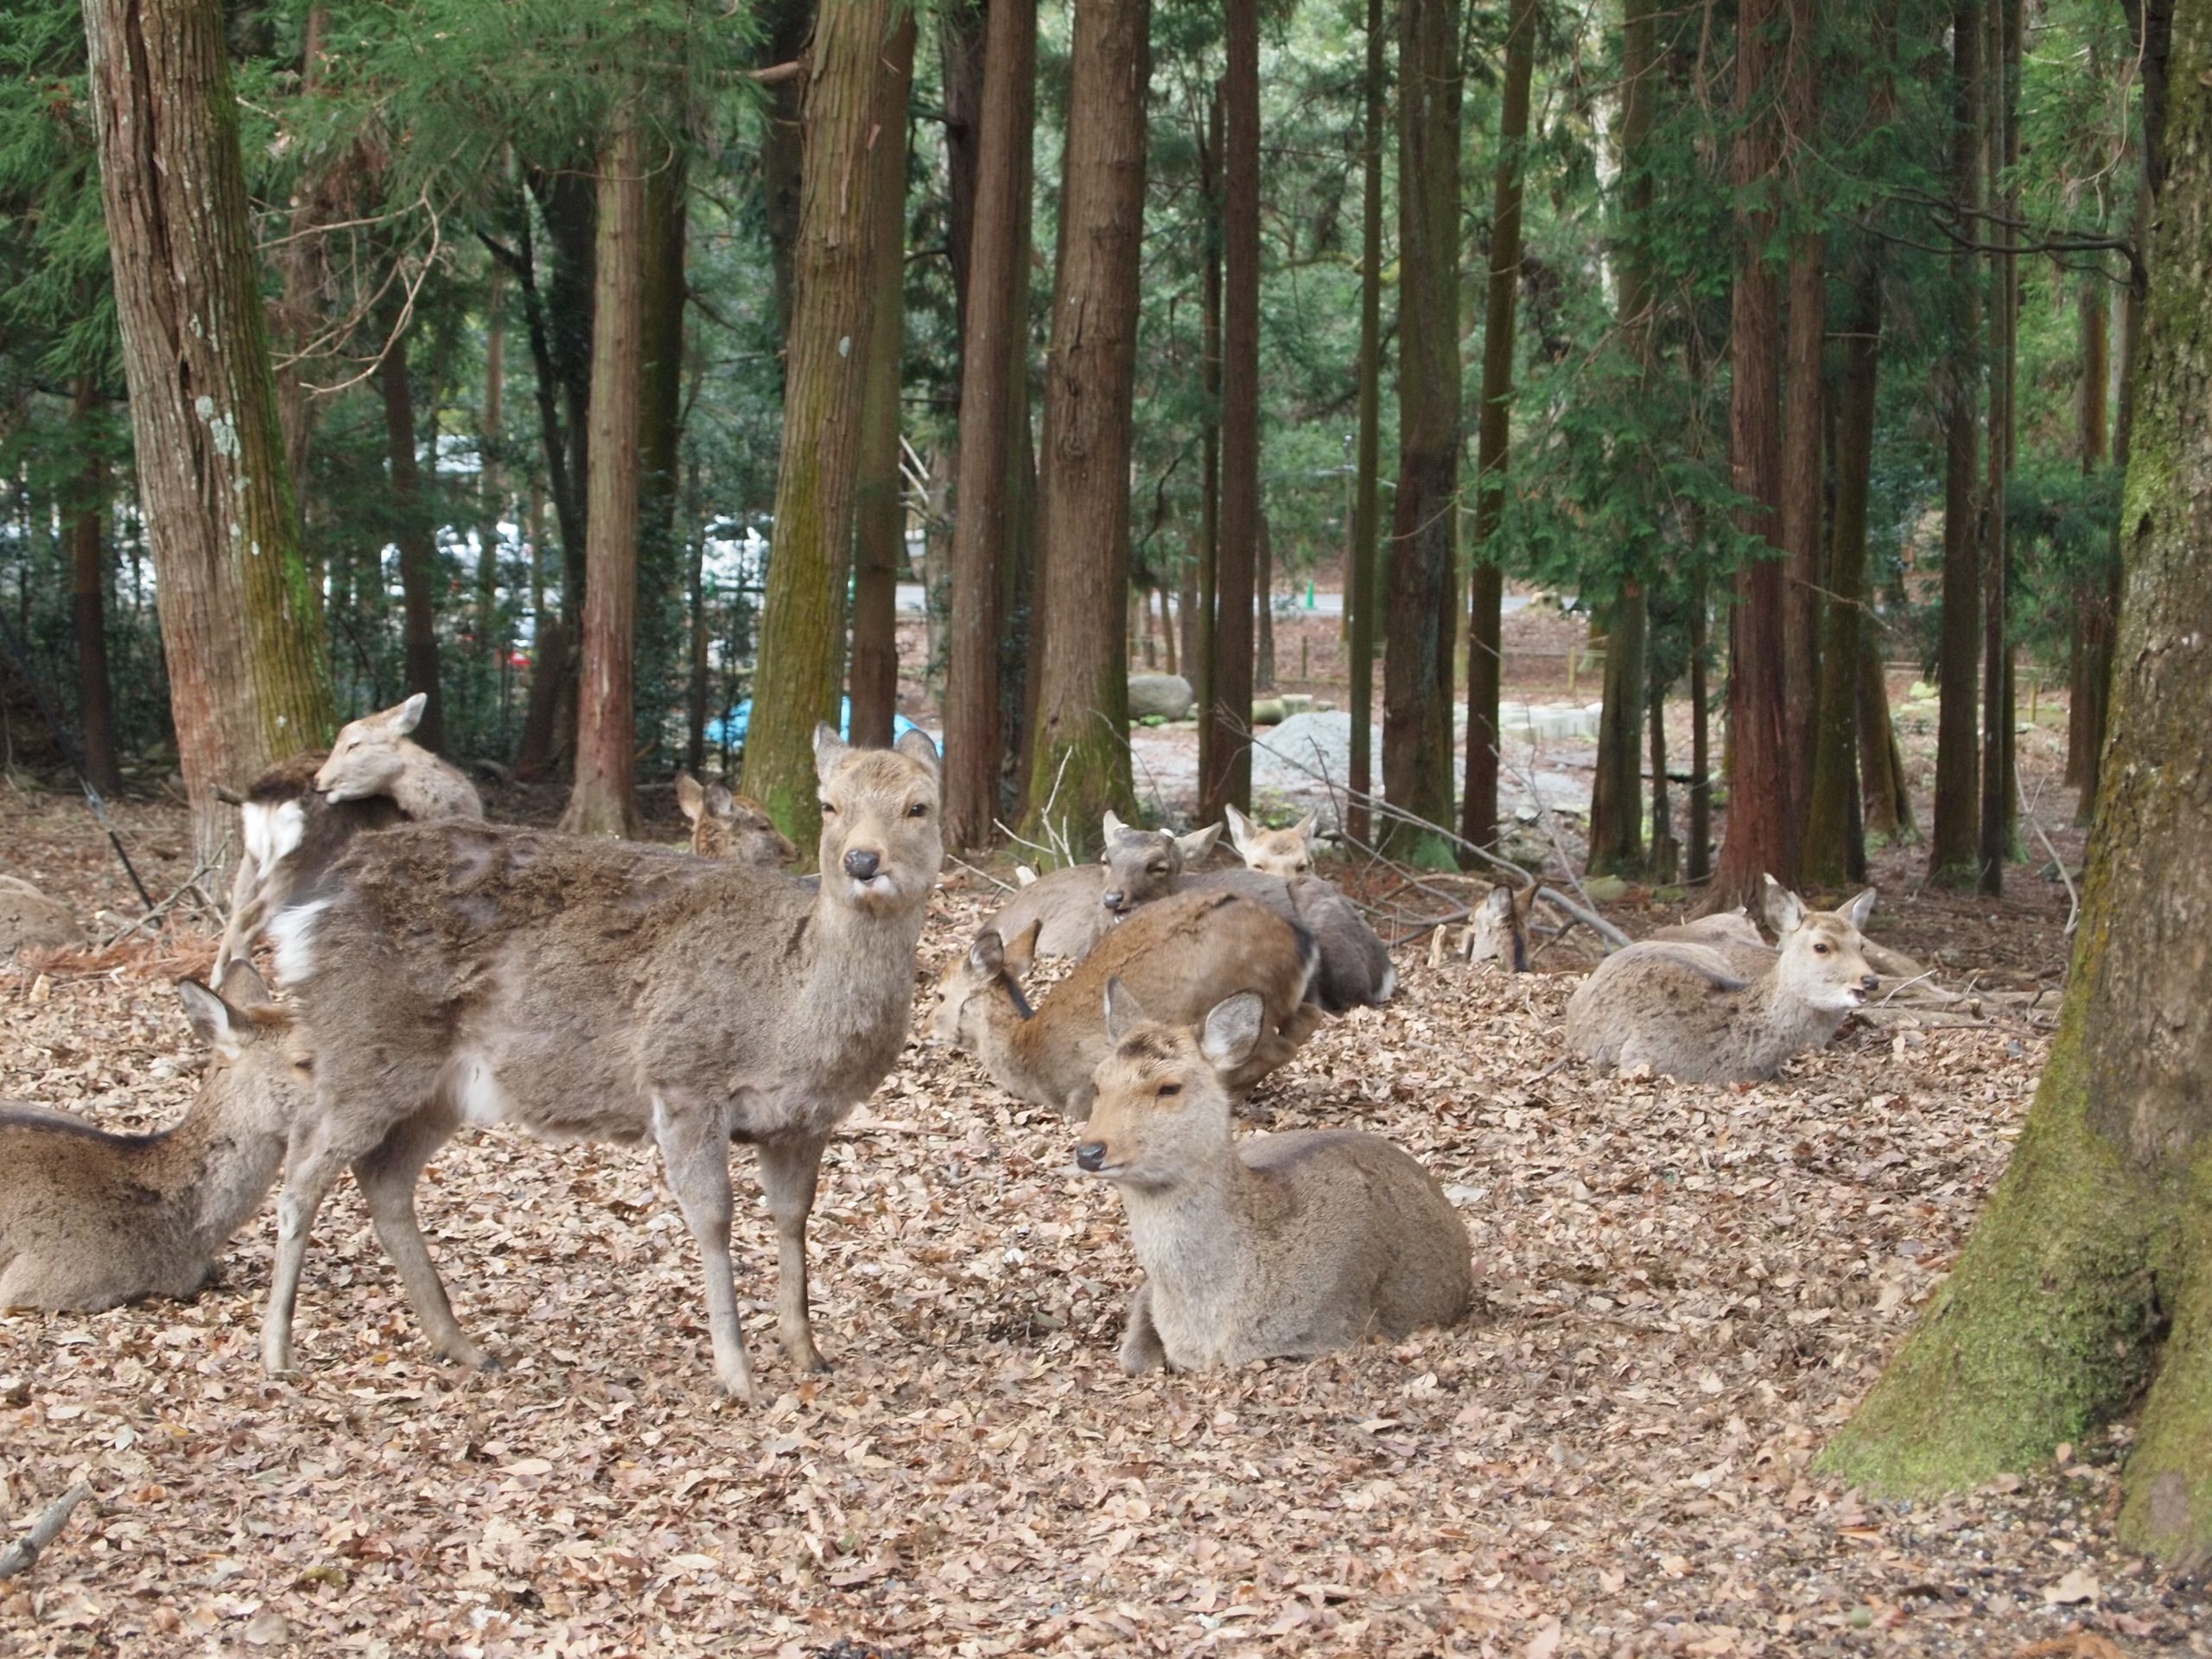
{"points": [[1124, 1013], [409, 714], [1860, 909], [1784, 909], [1306, 825], [1021, 949], [1113, 827], [720, 804], [243, 987], [918, 746], [1240, 828], [689, 796], [987, 954], [213, 1021], [1497, 903], [1232, 1031], [1195, 846], [828, 749]]}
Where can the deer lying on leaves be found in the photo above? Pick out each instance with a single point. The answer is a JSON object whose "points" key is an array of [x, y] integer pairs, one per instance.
{"points": [[735, 827], [89, 1219], [461, 974], [1076, 907], [1713, 1008], [1281, 1244]]}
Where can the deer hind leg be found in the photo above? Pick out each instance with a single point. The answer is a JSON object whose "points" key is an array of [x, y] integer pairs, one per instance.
{"points": [[386, 1176], [788, 1172], [247, 913], [694, 1147]]}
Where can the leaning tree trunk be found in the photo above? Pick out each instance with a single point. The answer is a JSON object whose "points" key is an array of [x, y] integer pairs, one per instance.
{"points": [[1079, 756], [880, 539], [247, 679], [1486, 585], [2085, 1292], [418, 552], [88, 586], [994, 365], [603, 799], [801, 632], [1417, 668], [1761, 837], [1228, 778], [1366, 519]]}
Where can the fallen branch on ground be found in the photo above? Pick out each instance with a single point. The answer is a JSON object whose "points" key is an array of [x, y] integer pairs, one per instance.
{"points": [[19, 1556]]}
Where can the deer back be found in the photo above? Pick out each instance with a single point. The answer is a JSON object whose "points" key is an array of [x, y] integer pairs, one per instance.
{"points": [[1354, 968]]}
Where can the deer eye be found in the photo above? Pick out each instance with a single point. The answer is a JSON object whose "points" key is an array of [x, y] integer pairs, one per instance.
{"points": [[828, 810], [1169, 1089], [1820, 950], [1156, 869], [919, 810]]}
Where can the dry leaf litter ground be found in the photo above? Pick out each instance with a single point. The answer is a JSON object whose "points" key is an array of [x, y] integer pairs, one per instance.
{"points": [[1682, 1291]]}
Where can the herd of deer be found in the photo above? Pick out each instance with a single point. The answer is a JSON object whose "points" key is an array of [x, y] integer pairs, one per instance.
{"points": [[443, 973]]}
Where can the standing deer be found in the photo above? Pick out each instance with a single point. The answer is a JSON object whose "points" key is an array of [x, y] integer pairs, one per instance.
{"points": [[291, 835], [1186, 953], [1725, 1011], [90, 1219], [1285, 852], [461, 974], [735, 827], [1283, 1244]]}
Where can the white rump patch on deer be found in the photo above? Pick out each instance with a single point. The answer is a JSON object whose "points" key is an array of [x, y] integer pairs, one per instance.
{"points": [[272, 831], [293, 934], [476, 1092]]}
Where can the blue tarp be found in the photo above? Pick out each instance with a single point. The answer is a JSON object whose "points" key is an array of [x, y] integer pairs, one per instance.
{"points": [[731, 727]]}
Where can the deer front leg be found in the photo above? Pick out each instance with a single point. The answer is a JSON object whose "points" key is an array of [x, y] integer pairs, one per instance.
{"points": [[1141, 1349], [788, 1170], [387, 1177], [311, 1165], [694, 1147]]}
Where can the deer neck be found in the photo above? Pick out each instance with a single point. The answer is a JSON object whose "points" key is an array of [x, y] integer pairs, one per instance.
{"points": [[1784, 1023], [1199, 1231], [213, 1172], [1016, 1047]]}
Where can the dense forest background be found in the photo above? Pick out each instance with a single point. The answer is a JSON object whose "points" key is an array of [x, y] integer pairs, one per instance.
{"points": [[1787, 341]]}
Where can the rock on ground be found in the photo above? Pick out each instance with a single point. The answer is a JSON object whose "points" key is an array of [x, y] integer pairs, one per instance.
{"points": [[30, 920]]}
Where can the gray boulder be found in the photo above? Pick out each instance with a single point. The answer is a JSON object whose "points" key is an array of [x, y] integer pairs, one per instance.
{"points": [[30, 920], [1167, 696]]}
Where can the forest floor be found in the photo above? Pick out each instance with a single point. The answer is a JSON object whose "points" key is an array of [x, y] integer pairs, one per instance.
{"points": [[1681, 1291]]}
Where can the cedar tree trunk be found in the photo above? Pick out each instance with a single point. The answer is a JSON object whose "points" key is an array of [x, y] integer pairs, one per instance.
{"points": [[1366, 518], [88, 586], [418, 552]]}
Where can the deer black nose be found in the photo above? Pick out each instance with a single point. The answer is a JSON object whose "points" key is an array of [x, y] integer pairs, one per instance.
{"points": [[1091, 1155], [1870, 982], [860, 865], [1112, 900]]}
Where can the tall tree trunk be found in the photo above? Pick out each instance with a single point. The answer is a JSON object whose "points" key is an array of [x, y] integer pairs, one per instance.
{"points": [[2091, 624], [1828, 856], [662, 364], [1263, 609], [603, 799], [1762, 833], [2085, 1292], [788, 23], [1417, 670], [418, 552], [802, 632], [247, 678], [491, 641], [696, 678], [1884, 795], [1955, 840], [879, 543], [1228, 778], [1802, 481], [1366, 519], [88, 589], [319, 195], [1079, 757], [962, 30], [1486, 587], [1617, 795], [1211, 142], [1698, 866], [994, 372], [2003, 149], [569, 202], [1665, 861]]}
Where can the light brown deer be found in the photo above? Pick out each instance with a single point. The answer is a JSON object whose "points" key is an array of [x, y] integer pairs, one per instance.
{"points": [[90, 1219], [1498, 929], [583, 989], [734, 827], [1076, 907], [373, 755], [1286, 853], [291, 835], [1281, 1245], [1186, 953], [1726, 1012]]}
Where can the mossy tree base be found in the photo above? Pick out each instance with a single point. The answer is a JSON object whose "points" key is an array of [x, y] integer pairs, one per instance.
{"points": [[1075, 779]]}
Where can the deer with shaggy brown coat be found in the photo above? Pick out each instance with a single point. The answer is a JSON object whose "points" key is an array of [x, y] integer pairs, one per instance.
{"points": [[733, 827], [602, 990], [1281, 1245], [1709, 1008], [89, 1219], [1185, 953]]}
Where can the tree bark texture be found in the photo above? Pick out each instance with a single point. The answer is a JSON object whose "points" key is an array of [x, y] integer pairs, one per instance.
{"points": [[418, 551], [1417, 670], [247, 679], [879, 541], [2003, 151], [1697, 864], [1366, 521], [1955, 839], [603, 799], [664, 237], [2086, 1290], [789, 23], [1228, 778], [1211, 143], [802, 629], [963, 37], [1802, 481], [491, 484], [994, 372], [1762, 830], [88, 594], [1079, 757], [2090, 658]]}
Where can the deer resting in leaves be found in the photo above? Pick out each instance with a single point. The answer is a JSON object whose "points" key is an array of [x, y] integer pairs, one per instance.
{"points": [[1185, 953], [735, 827], [1709, 1008], [90, 1219], [463, 973], [1280, 1244]]}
